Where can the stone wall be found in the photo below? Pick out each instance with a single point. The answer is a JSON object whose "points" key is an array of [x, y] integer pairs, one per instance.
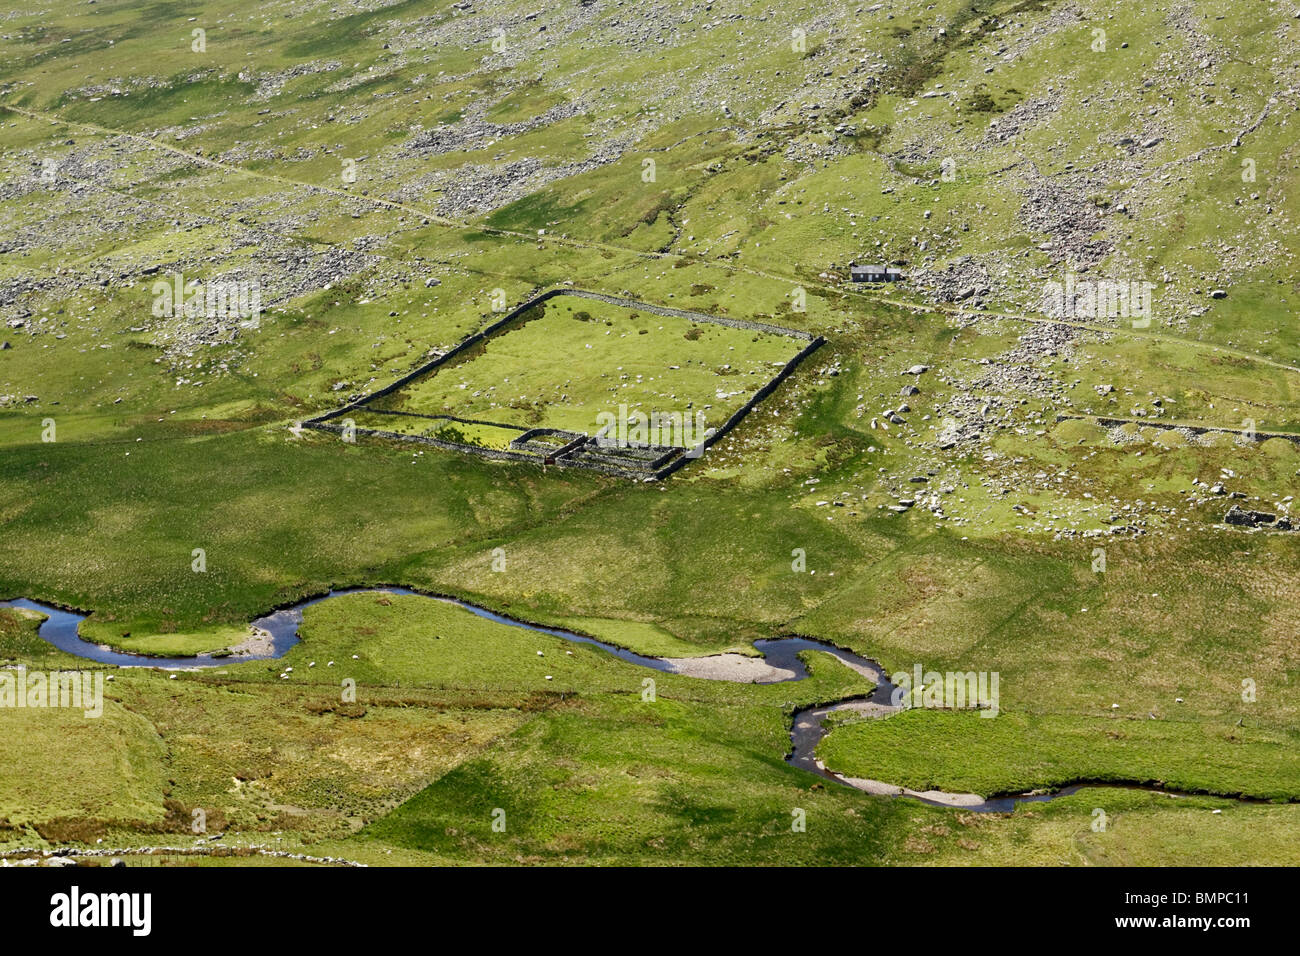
{"points": [[563, 457]]}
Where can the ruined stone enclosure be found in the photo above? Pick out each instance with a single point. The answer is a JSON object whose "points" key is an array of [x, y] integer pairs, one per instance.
{"points": [[579, 379]]}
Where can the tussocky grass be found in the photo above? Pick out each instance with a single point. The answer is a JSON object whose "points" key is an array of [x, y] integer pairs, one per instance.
{"points": [[1016, 753]]}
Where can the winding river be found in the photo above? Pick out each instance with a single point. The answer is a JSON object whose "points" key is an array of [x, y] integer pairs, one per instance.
{"points": [[780, 663]]}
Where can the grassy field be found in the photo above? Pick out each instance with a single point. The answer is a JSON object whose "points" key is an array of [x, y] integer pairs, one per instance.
{"points": [[569, 362], [965, 753], [389, 179]]}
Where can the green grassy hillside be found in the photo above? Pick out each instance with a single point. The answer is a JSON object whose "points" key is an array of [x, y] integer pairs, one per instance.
{"points": [[1045, 499]]}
